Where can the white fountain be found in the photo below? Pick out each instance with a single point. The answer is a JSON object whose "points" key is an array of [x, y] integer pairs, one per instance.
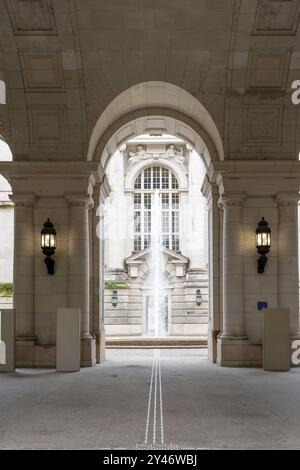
{"points": [[157, 321]]}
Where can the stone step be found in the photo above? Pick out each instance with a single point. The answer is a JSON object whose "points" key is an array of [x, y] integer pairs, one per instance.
{"points": [[144, 342]]}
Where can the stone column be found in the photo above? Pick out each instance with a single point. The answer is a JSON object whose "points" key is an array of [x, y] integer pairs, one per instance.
{"points": [[233, 282], [24, 271], [211, 193], [288, 267], [79, 271], [97, 260]]}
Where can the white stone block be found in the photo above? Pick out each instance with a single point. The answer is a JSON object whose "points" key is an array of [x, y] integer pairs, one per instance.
{"points": [[68, 340], [276, 345], [7, 340]]}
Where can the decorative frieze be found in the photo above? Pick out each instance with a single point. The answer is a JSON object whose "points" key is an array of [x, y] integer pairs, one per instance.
{"points": [[141, 153]]}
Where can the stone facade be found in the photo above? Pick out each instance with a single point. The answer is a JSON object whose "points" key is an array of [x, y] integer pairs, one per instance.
{"points": [[185, 271]]}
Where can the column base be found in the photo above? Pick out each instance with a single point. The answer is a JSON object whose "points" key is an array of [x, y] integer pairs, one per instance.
{"points": [[100, 346], [238, 353], [26, 340], [30, 355], [88, 352]]}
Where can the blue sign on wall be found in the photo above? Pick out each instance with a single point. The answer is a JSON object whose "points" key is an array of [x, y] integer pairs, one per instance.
{"points": [[262, 305]]}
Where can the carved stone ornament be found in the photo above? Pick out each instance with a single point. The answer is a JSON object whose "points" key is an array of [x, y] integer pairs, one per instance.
{"points": [[135, 157]]}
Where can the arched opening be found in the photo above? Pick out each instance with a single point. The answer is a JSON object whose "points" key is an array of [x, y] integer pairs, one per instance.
{"points": [[159, 109], [6, 233], [167, 168], [155, 106]]}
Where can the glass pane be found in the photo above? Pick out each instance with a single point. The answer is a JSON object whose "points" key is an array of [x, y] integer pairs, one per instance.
{"points": [[137, 243], [165, 201], [147, 241], [147, 222], [137, 201], [175, 201], [137, 222], [175, 222], [147, 178], [174, 182], [156, 177], [165, 222], [138, 182], [175, 242], [147, 201], [166, 241], [164, 178]]}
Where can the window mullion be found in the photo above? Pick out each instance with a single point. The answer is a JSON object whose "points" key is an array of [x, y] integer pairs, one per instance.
{"points": [[170, 220], [142, 221]]}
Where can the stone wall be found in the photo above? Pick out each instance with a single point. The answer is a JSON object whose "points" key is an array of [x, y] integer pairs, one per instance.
{"points": [[185, 317]]}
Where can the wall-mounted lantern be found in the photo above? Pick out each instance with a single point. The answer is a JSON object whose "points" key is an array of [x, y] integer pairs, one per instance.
{"points": [[114, 298], [199, 297], [48, 244], [263, 243]]}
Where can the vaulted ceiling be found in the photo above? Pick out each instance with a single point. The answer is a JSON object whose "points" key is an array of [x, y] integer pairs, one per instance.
{"points": [[64, 61]]}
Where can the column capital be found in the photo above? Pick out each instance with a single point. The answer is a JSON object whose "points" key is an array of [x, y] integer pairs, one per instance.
{"points": [[79, 200], [189, 147], [23, 200], [287, 199], [210, 191], [123, 147], [231, 199], [105, 189]]}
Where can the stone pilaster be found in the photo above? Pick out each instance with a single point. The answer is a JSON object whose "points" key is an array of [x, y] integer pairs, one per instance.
{"points": [[79, 271], [23, 278], [233, 339], [211, 193], [24, 267], [233, 296]]}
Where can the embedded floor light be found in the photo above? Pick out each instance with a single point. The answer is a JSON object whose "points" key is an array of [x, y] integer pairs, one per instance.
{"points": [[48, 244], [198, 297], [263, 243], [114, 298]]}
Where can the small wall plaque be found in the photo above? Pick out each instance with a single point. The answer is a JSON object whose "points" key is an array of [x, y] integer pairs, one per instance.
{"points": [[262, 305]]}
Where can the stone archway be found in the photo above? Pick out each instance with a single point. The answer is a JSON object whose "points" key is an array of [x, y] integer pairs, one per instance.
{"points": [[157, 106], [170, 107]]}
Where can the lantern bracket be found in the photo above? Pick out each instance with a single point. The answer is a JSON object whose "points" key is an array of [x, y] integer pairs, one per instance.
{"points": [[50, 264], [261, 263], [263, 244]]}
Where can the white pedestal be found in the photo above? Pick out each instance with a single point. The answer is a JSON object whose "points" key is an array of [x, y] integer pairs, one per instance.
{"points": [[68, 340], [276, 346], [7, 338]]}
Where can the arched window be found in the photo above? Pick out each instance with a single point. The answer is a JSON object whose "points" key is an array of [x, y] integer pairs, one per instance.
{"points": [[148, 182]]}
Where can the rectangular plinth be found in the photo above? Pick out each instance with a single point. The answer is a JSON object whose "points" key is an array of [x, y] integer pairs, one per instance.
{"points": [[7, 340], [276, 346], [68, 340]]}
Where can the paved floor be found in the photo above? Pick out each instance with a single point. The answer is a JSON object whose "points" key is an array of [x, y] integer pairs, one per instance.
{"points": [[142, 396]]}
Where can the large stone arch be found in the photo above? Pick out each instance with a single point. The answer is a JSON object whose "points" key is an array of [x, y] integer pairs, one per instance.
{"points": [[155, 106], [158, 107]]}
